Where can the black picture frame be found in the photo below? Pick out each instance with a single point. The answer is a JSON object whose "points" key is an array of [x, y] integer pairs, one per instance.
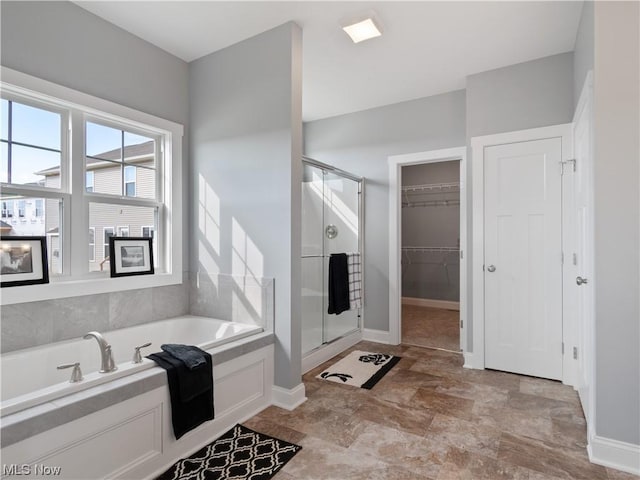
{"points": [[130, 256], [23, 261]]}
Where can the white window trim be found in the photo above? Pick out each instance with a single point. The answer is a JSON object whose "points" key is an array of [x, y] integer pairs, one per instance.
{"points": [[22, 84], [123, 227]]}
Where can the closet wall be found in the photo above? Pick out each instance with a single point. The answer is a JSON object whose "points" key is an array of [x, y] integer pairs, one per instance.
{"points": [[431, 231]]}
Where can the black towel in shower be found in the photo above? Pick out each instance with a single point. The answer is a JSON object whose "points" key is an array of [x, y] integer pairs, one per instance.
{"points": [[338, 283], [191, 391]]}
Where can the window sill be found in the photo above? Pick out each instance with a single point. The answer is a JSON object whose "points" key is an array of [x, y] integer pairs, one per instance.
{"points": [[77, 288]]}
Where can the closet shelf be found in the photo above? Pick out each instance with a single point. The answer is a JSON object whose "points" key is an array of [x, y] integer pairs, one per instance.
{"points": [[431, 249], [432, 187]]}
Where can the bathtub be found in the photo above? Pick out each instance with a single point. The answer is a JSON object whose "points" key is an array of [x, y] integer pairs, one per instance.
{"points": [[30, 376], [118, 425]]}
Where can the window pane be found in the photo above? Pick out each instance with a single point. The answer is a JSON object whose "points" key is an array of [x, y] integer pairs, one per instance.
{"points": [[145, 183], [139, 149], [4, 120], [35, 126], [103, 142], [121, 220], [28, 216], [4, 162], [32, 166], [108, 178]]}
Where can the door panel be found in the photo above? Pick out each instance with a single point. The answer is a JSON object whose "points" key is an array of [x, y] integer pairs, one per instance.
{"points": [[523, 241]]}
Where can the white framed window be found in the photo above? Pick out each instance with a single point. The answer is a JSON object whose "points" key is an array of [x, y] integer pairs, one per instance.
{"points": [[92, 244], [89, 179], [21, 208], [147, 232], [87, 157], [123, 231]]}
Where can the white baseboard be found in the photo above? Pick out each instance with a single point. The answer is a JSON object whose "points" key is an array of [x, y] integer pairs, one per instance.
{"points": [[378, 336], [469, 361], [426, 302], [615, 454], [327, 352], [288, 399]]}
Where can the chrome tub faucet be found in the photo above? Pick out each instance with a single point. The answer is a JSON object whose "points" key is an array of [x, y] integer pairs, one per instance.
{"points": [[108, 365]]}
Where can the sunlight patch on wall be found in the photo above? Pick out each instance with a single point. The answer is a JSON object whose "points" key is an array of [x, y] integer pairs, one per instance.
{"points": [[209, 214]]}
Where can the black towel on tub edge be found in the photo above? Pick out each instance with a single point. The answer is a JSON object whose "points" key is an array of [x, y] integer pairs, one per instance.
{"points": [[189, 408]]}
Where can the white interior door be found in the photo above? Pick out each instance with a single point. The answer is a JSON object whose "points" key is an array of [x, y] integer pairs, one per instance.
{"points": [[523, 257], [582, 257]]}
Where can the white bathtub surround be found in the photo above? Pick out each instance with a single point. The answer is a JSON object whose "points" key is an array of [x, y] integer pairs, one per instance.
{"points": [[30, 377], [289, 399], [122, 428], [139, 422], [242, 299]]}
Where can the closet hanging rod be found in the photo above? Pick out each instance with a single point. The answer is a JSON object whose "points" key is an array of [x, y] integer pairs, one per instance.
{"points": [[431, 203], [431, 186]]}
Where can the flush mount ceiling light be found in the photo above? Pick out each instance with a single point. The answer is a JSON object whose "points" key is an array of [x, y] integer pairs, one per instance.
{"points": [[364, 29]]}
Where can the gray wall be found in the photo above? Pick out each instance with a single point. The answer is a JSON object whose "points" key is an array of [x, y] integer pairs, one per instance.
{"points": [[617, 219], [245, 114], [431, 275], [527, 95], [583, 51], [361, 143]]}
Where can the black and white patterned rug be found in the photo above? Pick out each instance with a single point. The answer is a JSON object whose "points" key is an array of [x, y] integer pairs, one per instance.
{"points": [[239, 454], [360, 369]]}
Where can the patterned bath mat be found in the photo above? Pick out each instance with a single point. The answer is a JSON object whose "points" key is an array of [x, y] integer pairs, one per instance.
{"points": [[239, 454], [360, 369]]}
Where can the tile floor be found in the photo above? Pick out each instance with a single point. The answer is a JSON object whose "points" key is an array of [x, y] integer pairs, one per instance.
{"points": [[429, 418], [431, 327]]}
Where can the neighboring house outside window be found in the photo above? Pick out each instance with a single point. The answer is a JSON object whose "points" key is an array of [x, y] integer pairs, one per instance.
{"points": [[130, 181], [92, 244], [89, 181], [108, 232], [147, 232]]}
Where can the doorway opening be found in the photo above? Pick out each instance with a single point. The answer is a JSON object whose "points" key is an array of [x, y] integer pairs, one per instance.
{"points": [[427, 245], [430, 255]]}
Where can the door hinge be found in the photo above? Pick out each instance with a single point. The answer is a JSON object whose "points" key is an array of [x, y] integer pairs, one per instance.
{"points": [[575, 353], [461, 323], [575, 259], [572, 162]]}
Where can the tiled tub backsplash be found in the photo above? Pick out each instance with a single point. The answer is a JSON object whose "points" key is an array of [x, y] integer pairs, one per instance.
{"points": [[225, 297]]}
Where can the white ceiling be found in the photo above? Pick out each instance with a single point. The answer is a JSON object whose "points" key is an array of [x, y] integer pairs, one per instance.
{"points": [[427, 47]]}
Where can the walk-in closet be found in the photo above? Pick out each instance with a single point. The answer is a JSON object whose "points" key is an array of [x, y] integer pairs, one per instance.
{"points": [[431, 255]]}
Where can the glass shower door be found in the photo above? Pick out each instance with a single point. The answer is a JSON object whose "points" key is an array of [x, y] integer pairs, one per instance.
{"points": [[341, 235], [330, 224]]}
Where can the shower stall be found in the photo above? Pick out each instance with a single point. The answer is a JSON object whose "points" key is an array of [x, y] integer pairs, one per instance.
{"points": [[331, 223]]}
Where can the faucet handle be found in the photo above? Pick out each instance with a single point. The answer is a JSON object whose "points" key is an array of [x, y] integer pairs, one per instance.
{"points": [[137, 358], [76, 374]]}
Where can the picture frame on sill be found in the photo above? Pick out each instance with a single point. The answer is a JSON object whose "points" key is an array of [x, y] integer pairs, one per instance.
{"points": [[23, 261], [130, 256]]}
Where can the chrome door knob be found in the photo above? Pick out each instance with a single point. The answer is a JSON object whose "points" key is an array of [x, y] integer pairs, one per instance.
{"points": [[491, 268], [580, 280]]}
